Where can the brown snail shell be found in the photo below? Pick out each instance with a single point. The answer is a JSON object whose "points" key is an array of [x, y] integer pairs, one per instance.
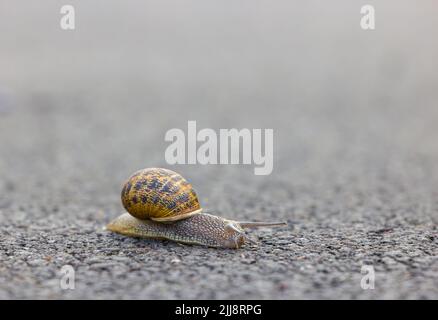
{"points": [[159, 194]]}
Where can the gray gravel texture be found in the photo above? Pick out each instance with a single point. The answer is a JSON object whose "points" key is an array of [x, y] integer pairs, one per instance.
{"points": [[355, 152]]}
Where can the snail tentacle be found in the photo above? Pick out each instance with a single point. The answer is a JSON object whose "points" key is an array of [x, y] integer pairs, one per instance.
{"points": [[251, 224]]}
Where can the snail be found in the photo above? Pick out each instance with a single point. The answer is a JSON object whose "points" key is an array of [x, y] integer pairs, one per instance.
{"points": [[161, 204]]}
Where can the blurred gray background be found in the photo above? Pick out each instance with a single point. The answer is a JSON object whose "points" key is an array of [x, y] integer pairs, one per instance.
{"points": [[354, 115]]}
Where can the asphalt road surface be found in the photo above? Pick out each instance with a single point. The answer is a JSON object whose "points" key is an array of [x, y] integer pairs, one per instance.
{"points": [[355, 172]]}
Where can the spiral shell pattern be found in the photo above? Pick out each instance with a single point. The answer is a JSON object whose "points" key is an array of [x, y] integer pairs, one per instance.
{"points": [[159, 194]]}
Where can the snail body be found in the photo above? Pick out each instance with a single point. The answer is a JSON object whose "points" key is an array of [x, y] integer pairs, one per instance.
{"points": [[161, 204]]}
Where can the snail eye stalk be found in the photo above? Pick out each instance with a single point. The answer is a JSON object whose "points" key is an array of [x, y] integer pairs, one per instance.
{"points": [[232, 228], [250, 224]]}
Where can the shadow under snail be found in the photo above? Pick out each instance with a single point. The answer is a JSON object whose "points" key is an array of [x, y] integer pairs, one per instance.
{"points": [[161, 204]]}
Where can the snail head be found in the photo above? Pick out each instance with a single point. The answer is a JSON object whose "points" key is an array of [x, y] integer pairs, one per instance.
{"points": [[236, 236]]}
